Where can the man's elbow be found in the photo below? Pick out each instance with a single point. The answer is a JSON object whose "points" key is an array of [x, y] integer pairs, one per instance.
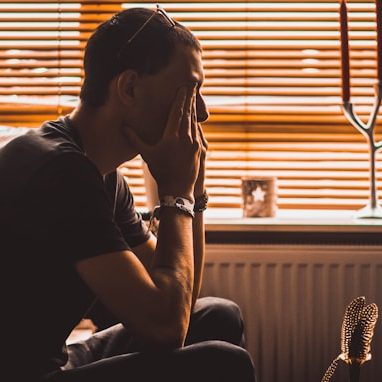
{"points": [[164, 337]]}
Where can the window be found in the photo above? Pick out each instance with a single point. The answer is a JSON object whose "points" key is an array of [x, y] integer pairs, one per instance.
{"points": [[272, 86], [40, 60]]}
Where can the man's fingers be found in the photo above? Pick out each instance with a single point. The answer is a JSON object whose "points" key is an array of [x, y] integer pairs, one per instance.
{"points": [[194, 123], [176, 113], [202, 137], [185, 127]]}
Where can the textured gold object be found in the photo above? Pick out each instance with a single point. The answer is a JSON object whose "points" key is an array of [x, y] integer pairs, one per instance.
{"points": [[357, 331], [356, 335]]}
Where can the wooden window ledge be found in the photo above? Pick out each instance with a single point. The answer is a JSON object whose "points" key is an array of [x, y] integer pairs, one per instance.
{"points": [[292, 227]]}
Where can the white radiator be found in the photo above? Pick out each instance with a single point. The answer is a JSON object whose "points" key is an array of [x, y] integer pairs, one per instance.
{"points": [[293, 299]]}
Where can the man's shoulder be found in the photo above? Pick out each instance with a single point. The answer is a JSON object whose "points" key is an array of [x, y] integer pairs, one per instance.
{"points": [[37, 145], [24, 156]]}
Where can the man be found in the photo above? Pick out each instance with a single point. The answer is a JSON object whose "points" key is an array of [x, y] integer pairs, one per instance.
{"points": [[70, 233]]}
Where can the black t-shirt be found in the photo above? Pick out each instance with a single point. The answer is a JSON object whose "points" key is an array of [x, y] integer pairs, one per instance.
{"points": [[55, 209]]}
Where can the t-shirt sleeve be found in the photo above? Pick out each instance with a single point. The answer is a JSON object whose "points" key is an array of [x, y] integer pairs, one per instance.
{"points": [[133, 229], [72, 208]]}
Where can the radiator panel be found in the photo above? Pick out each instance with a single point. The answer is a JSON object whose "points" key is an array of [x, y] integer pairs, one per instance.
{"points": [[293, 299]]}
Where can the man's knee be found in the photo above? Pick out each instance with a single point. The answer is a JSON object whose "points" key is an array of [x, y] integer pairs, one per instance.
{"points": [[226, 362], [225, 310], [221, 318]]}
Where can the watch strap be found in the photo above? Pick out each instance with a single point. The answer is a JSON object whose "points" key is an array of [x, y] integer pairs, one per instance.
{"points": [[183, 204]]}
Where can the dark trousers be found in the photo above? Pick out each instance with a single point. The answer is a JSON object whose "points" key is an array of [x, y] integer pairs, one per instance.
{"points": [[213, 352]]}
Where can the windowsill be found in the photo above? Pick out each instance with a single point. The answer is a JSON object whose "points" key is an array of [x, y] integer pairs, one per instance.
{"points": [[292, 226], [287, 220]]}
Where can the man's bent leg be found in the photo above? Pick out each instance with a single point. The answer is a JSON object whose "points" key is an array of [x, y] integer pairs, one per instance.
{"points": [[107, 343], [215, 318], [211, 361]]}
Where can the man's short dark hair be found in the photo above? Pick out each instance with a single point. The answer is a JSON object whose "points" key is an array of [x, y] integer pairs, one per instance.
{"points": [[107, 54]]}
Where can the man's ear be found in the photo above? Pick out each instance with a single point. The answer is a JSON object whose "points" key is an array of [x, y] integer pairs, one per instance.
{"points": [[126, 83]]}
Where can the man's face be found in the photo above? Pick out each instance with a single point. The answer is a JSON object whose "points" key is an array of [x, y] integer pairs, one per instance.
{"points": [[156, 93]]}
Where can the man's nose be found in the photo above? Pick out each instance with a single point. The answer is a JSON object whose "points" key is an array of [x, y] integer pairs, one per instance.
{"points": [[201, 109]]}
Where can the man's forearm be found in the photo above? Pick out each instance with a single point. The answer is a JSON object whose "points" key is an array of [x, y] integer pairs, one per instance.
{"points": [[198, 237], [172, 266], [199, 253]]}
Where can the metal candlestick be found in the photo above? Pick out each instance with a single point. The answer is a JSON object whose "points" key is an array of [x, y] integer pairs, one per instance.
{"points": [[372, 209]]}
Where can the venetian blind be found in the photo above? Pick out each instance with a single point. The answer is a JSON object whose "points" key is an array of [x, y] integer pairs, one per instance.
{"points": [[272, 87]]}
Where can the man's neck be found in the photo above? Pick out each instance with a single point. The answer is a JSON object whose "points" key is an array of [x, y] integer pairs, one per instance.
{"points": [[100, 132]]}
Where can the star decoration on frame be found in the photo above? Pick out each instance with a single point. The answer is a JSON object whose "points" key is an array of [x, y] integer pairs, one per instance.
{"points": [[258, 194]]}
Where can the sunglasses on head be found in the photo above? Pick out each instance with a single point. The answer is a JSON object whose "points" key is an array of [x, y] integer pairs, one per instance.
{"points": [[159, 10]]}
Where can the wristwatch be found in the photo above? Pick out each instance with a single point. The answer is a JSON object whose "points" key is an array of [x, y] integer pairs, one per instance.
{"points": [[178, 202]]}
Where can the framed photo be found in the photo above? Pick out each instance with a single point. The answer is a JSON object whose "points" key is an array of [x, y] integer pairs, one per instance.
{"points": [[259, 196]]}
